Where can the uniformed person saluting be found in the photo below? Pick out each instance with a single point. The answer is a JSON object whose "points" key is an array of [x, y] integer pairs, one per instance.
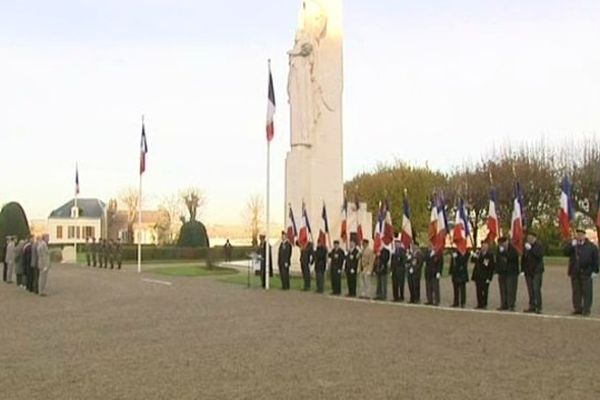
{"points": [[398, 271], [532, 266], [583, 267], [483, 273], [434, 263], [415, 268], [507, 268], [320, 266], [459, 271], [306, 260], [337, 257], [351, 268], [284, 259]]}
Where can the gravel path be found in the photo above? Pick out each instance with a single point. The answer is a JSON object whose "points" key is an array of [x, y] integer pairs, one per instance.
{"points": [[110, 335]]}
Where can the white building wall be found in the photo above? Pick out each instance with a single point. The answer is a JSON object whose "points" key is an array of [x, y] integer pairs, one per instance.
{"points": [[73, 223]]}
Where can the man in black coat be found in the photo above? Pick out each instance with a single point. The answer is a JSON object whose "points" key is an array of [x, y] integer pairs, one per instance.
{"points": [[482, 273], [306, 260], [532, 266], [263, 261], [434, 263], [507, 268], [27, 264], [398, 271], [415, 268], [351, 268], [337, 257], [284, 260], [320, 266], [459, 271], [583, 268]]}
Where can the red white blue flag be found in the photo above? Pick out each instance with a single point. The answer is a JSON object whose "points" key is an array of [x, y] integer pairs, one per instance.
{"points": [[291, 230], [270, 108], [344, 227], [323, 239], [461, 228], [359, 229], [143, 150], [305, 235], [406, 234], [379, 228], [565, 213], [492, 219], [516, 223], [76, 179], [388, 227]]}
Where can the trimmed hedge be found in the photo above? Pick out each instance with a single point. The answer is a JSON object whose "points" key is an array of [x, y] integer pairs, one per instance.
{"points": [[151, 252]]}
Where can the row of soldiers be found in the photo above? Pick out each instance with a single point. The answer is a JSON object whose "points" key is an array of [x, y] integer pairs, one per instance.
{"points": [[407, 266], [103, 253], [28, 260]]}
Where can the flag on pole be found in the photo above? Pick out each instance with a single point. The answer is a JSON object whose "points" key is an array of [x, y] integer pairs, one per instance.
{"points": [[433, 221], [442, 226], [143, 150], [406, 234], [291, 229], [379, 228], [270, 108], [516, 223], [461, 229], [565, 213], [305, 235], [359, 231], [76, 179], [344, 228], [324, 229], [388, 228], [492, 219]]}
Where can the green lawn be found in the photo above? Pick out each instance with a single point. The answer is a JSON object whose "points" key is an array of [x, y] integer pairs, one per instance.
{"points": [[191, 270]]}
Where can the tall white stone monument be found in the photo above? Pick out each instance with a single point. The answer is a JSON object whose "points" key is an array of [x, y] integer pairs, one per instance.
{"points": [[314, 164]]}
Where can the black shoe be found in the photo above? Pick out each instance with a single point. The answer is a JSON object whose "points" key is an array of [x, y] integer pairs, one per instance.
{"points": [[585, 314], [453, 305], [501, 309], [577, 312], [511, 309], [529, 310]]}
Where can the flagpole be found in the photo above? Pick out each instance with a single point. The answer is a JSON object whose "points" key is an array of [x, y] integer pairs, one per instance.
{"points": [[139, 249], [268, 220], [76, 211]]}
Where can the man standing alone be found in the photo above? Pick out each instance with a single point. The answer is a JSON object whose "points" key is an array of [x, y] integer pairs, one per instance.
{"points": [[583, 267]]}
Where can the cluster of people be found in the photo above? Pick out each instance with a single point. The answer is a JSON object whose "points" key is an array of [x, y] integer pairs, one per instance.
{"points": [[408, 264], [103, 252], [28, 260]]}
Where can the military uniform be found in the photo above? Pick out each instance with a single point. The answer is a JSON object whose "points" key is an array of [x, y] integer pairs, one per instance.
{"points": [[351, 270], [284, 257], [507, 269], [337, 257], [306, 260], [398, 273], [459, 271], [320, 266], [118, 254], [583, 262], [94, 252], [482, 275], [88, 252], [532, 265], [434, 263], [111, 254], [415, 270], [101, 252]]}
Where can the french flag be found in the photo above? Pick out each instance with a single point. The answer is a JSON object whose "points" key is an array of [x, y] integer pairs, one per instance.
{"points": [[565, 213], [76, 179], [516, 223], [291, 231], [492, 219], [143, 150], [324, 230], [442, 225], [388, 228], [461, 229], [344, 228], [359, 230], [406, 234], [433, 221], [305, 235], [270, 108], [378, 231]]}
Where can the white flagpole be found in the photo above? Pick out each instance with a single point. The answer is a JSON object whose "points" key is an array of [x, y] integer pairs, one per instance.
{"points": [[267, 241], [76, 212], [139, 249]]}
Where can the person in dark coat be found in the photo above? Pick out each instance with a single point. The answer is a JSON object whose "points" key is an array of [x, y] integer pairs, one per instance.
{"points": [[482, 273], [583, 268], [227, 250], [532, 266], [351, 268], [88, 251], [398, 264], [94, 249], [459, 271], [307, 258], [118, 253], [284, 261], [320, 266], [337, 257], [434, 263], [383, 269], [415, 268], [27, 264], [507, 269], [263, 261]]}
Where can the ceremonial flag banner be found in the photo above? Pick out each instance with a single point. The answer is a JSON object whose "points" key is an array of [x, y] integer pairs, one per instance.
{"points": [[344, 228], [492, 219], [388, 228], [291, 231], [516, 223], [143, 150], [461, 229], [76, 180], [378, 231], [565, 212], [270, 108], [305, 235], [406, 234], [359, 230], [442, 226], [433, 222], [324, 229]]}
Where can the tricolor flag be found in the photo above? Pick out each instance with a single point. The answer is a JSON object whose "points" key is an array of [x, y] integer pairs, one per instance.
{"points": [[76, 180], [388, 228], [359, 230], [565, 213], [291, 230], [461, 228], [492, 219], [323, 239], [344, 228], [143, 150], [516, 223], [442, 225], [406, 234], [305, 235], [378, 231], [270, 108], [433, 221]]}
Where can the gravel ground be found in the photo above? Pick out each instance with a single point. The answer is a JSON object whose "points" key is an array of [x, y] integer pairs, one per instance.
{"points": [[110, 335]]}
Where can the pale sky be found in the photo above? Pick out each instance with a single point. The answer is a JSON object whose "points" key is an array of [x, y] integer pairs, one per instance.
{"points": [[425, 81]]}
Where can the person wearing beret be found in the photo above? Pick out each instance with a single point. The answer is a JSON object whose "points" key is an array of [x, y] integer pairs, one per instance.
{"points": [[583, 268]]}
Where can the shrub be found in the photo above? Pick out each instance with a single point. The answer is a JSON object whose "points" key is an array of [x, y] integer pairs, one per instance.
{"points": [[193, 234], [13, 222]]}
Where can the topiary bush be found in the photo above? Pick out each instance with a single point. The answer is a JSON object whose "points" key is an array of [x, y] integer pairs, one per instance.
{"points": [[193, 234], [13, 222]]}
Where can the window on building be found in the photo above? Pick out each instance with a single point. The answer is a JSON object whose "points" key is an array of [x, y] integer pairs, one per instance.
{"points": [[89, 232], [71, 232], [59, 232], [78, 232]]}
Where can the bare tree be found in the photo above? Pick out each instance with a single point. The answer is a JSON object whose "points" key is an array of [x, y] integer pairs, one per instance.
{"points": [[253, 214], [194, 200], [172, 211], [129, 197]]}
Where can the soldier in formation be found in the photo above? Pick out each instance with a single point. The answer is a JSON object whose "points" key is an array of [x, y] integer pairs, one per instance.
{"points": [[434, 263], [459, 273], [583, 268], [336, 257], [532, 266], [284, 257], [483, 271], [398, 265], [351, 268]]}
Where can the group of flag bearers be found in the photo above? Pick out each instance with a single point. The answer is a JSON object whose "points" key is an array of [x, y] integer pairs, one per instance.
{"points": [[397, 254]]}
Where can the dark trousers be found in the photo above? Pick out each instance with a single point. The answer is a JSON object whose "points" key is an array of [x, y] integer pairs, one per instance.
{"points": [[336, 282], [94, 260], [306, 276], [284, 275], [20, 279], [381, 293], [512, 282], [582, 287], [414, 287], [503, 291], [432, 290], [398, 275], [88, 259], [320, 277], [35, 280], [534, 289], [482, 289], [460, 293], [351, 281], [4, 271], [119, 263], [30, 277]]}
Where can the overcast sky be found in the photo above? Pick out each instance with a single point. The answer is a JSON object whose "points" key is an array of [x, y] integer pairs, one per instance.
{"points": [[425, 81]]}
